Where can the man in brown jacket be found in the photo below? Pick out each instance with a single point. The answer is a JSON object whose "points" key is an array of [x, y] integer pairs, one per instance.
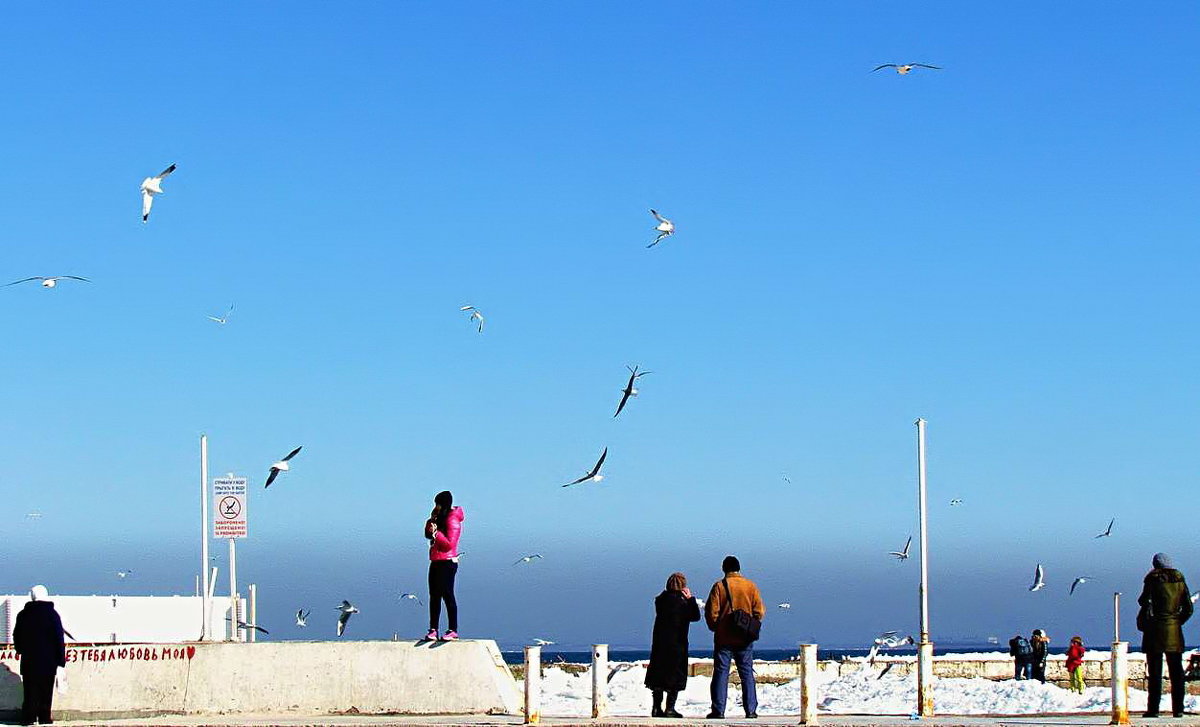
{"points": [[727, 643]]}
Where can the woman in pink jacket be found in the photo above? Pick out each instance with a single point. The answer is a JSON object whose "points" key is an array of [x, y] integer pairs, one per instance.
{"points": [[442, 530]]}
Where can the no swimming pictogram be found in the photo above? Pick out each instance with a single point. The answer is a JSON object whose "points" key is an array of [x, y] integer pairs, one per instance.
{"points": [[230, 511], [230, 507]]}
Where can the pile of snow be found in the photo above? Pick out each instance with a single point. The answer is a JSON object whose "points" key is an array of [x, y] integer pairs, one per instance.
{"points": [[568, 695]]}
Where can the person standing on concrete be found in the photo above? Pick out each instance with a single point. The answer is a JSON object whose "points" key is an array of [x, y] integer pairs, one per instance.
{"points": [[38, 637], [1075, 654], [1022, 654], [675, 610], [1165, 608], [734, 614], [443, 529], [1041, 649]]}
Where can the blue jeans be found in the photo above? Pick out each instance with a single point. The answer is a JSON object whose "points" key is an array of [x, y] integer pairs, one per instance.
{"points": [[1024, 669], [744, 658]]}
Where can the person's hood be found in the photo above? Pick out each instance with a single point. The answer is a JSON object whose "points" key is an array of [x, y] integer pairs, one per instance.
{"points": [[456, 513], [1164, 575], [39, 606]]}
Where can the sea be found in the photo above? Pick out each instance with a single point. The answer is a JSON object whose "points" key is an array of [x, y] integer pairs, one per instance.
{"points": [[573, 656]]}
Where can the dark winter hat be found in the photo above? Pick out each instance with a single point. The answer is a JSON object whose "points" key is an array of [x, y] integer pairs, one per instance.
{"points": [[1162, 560], [730, 565], [444, 498]]}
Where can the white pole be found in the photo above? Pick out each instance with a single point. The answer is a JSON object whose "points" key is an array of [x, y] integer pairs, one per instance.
{"points": [[925, 647], [212, 586], [204, 526], [235, 634], [533, 684], [1120, 683], [253, 611], [599, 681], [808, 683], [1116, 617]]}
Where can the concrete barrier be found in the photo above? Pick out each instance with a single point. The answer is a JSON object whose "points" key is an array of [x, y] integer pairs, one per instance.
{"points": [[301, 677]]}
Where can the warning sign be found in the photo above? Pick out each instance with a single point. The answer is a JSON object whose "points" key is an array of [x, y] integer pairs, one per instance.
{"points": [[229, 507]]}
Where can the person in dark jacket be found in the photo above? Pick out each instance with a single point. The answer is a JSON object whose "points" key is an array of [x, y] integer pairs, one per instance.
{"points": [[1022, 654], [675, 610], [38, 638], [1165, 607], [1041, 648]]}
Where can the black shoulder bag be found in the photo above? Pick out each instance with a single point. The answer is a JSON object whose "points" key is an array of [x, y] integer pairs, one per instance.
{"points": [[741, 623]]}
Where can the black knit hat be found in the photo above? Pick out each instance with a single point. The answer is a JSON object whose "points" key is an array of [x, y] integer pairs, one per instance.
{"points": [[730, 564]]}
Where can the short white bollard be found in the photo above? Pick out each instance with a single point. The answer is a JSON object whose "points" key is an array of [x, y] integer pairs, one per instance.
{"points": [[1120, 682], [599, 681], [925, 679], [808, 683], [533, 684]]}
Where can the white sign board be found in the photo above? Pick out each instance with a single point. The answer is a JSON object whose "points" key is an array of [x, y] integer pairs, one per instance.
{"points": [[230, 507]]}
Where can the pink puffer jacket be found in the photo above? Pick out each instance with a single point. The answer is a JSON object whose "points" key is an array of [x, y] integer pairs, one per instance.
{"points": [[444, 546]]}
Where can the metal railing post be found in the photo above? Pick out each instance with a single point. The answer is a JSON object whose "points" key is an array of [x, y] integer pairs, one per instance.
{"points": [[533, 684], [808, 683], [599, 680]]}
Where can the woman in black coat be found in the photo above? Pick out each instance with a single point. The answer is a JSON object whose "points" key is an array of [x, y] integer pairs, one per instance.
{"points": [[674, 611]]}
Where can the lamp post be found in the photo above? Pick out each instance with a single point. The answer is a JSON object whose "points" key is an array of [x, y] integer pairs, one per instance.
{"points": [[925, 646]]}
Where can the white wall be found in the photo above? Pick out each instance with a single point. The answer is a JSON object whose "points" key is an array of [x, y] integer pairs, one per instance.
{"points": [[128, 619]]}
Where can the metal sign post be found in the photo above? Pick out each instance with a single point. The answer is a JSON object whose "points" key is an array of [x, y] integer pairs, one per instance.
{"points": [[230, 521], [925, 646], [204, 603]]}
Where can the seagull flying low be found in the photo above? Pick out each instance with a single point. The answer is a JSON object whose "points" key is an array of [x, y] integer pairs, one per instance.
{"points": [[1195, 596], [302, 617], [48, 282], [122, 574], [1039, 580], [902, 554], [665, 228], [223, 319], [1078, 581], [905, 68], [476, 315], [411, 597], [150, 187], [887, 640], [620, 668], [1107, 531], [785, 606], [594, 475], [629, 389], [346, 610], [281, 466], [243, 626], [529, 558], [542, 642]]}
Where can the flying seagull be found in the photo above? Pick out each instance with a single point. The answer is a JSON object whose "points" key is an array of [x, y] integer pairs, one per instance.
{"points": [[48, 282], [902, 554], [150, 187], [281, 465], [242, 625], [476, 315], [905, 68], [887, 640], [785, 606], [122, 574], [302, 617], [542, 642], [223, 319], [529, 558], [786, 478], [1107, 531], [33, 516], [594, 475], [1078, 581], [1195, 596], [411, 597], [955, 502], [665, 228], [1039, 580], [346, 609], [629, 389], [620, 668]]}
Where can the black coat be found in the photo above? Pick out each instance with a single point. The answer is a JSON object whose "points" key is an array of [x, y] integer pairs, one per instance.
{"points": [[674, 614], [38, 638]]}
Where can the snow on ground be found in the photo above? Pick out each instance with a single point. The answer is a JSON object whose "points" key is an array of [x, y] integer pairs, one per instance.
{"points": [[568, 695]]}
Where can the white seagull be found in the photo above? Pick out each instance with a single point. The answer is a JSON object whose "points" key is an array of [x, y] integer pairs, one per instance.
{"points": [[411, 597], [1078, 581], [786, 478], [529, 558], [629, 389], [1107, 531], [302, 617], [1039, 580], [223, 319], [476, 315], [346, 610], [785, 606], [902, 554], [1195, 596], [905, 68], [150, 187], [955, 502], [620, 668], [281, 465], [665, 228], [542, 642], [48, 282], [123, 574], [594, 475], [242, 625], [33, 516]]}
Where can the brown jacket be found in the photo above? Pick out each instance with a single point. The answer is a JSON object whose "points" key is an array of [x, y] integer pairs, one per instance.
{"points": [[716, 612]]}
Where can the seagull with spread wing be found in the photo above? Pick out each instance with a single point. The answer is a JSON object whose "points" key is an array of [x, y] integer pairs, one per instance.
{"points": [[281, 466], [905, 68], [1078, 582], [411, 597], [529, 558], [150, 187], [347, 609], [665, 228], [594, 475], [1039, 579], [1107, 531], [476, 315], [48, 282], [223, 319], [243, 626], [902, 555], [302, 617], [630, 389], [542, 642]]}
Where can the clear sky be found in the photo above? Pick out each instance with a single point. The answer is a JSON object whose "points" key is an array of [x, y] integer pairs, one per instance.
{"points": [[1007, 247]]}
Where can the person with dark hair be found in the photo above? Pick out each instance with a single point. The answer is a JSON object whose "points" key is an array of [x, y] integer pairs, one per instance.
{"points": [[674, 611], [443, 529], [39, 640], [1022, 653], [733, 613], [1041, 650], [1165, 608]]}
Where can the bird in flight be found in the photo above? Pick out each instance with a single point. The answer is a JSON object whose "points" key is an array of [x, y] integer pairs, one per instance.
{"points": [[629, 389], [665, 228], [346, 610], [626, 666], [411, 597], [33, 516], [48, 282], [1077, 582], [476, 315], [529, 558], [887, 640], [302, 617], [786, 478], [542, 642], [243, 626], [223, 319], [281, 465], [902, 554], [123, 574], [1195, 596], [1039, 579], [150, 187], [955, 502], [905, 68], [1107, 531], [594, 475], [785, 606]]}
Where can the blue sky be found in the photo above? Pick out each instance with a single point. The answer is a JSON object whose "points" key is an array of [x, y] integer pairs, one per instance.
{"points": [[1006, 247]]}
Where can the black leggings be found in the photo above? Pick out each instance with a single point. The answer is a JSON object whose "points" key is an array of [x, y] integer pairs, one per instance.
{"points": [[441, 588], [1154, 664]]}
